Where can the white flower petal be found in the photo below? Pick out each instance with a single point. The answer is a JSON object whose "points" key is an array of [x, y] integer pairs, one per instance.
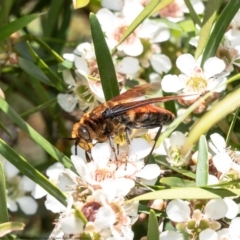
{"points": [[69, 56], [27, 204], [85, 50], [129, 14], [128, 65], [223, 234], [177, 139], [222, 162], [234, 228], [134, 49], [38, 192], [105, 218], [106, 19], [213, 66], [65, 182], [232, 208], [67, 101], [101, 153], [216, 209], [72, 225], [115, 5], [81, 64], [160, 63], [163, 33], [54, 205], [139, 149], [170, 235], [68, 78], [27, 184], [212, 180], [11, 205], [186, 63], [172, 83], [10, 169], [208, 234], [178, 210], [149, 172]]}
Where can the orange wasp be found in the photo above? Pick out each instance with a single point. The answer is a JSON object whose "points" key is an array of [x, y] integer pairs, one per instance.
{"points": [[120, 115]]}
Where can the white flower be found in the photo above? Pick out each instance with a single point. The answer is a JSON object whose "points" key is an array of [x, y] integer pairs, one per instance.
{"points": [[173, 147], [117, 177], [224, 159], [17, 187], [113, 25], [175, 10], [194, 79], [179, 211]]}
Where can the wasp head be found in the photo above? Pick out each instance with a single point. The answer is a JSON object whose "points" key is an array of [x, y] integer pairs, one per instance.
{"points": [[82, 136]]}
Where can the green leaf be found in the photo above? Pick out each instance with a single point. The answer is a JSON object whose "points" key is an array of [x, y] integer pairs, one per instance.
{"points": [[4, 11], [187, 25], [138, 20], [31, 69], [188, 193], [192, 12], [8, 227], [27, 169], [104, 60], [208, 21], [39, 108], [152, 232], [210, 118], [220, 28], [3, 208], [53, 77], [176, 182], [202, 162], [80, 3], [54, 152], [230, 130], [14, 26]]}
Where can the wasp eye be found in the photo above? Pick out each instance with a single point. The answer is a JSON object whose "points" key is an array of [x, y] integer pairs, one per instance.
{"points": [[84, 133]]}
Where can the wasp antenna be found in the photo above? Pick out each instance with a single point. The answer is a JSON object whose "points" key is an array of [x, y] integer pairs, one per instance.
{"points": [[65, 138]]}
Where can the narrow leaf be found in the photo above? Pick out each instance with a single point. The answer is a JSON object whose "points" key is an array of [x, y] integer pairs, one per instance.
{"points": [[27, 169], [3, 208], [202, 162], [54, 152], [104, 60], [14, 26], [138, 20], [192, 12], [8, 227], [53, 77], [220, 28], [208, 21], [31, 69], [152, 232], [188, 193], [176, 182]]}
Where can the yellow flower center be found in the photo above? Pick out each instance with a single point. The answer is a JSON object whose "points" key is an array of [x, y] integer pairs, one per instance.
{"points": [[196, 84]]}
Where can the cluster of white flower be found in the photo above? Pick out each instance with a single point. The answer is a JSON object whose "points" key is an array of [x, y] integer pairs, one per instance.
{"points": [[96, 192]]}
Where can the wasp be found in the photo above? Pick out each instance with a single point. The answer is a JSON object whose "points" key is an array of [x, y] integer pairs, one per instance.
{"points": [[121, 115]]}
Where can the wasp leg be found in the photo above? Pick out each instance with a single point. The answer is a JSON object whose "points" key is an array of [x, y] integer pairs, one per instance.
{"points": [[155, 141], [110, 138], [127, 133]]}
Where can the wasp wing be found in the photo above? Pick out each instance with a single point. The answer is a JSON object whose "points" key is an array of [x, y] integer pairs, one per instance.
{"points": [[123, 107], [138, 91]]}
